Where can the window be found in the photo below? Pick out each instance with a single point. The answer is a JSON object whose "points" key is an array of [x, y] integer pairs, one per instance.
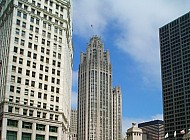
{"points": [[46, 68], [44, 105], [39, 104], [25, 111], [33, 11], [16, 40], [31, 27], [57, 99], [44, 24], [11, 88], [25, 7], [20, 4], [20, 70], [35, 47], [56, 117], [49, 26], [59, 64], [12, 78], [51, 107], [44, 115], [18, 89], [31, 111], [41, 67], [26, 136], [10, 109], [24, 16], [33, 83], [52, 98], [30, 36], [46, 78], [49, 35], [22, 42], [38, 13], [19, 80], [27, 72], [24, 24], [13, 68], [45, 96], [20, 60], [17, 31], [57, 90], [19, 13], [56, 108], [10, 98], [13, 123], [33, 74], [18, 22], [26, 92], [27, 82], [34, 65], [42, 58], [28, 63], [32, 93], [29, 54], [38, 114], [59, 48], [40, 127], [51, 117], [11, 135], [17, 99], [34, 56], [47, 51], [37, 30], [58, 81], [40, 137], [29, 45], [17, 110], [23, 33], [39, 95], [52, 129], [43, 33], [25, 102], [36, 38], [60, 40], [15, 49], [59, 56], [14, 58], [53, 80], [52, 89], [32, 19]]}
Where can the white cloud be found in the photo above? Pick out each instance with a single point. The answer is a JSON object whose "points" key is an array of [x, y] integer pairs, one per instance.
{"points": [[74, 78], [138, 21], [74, 100]]}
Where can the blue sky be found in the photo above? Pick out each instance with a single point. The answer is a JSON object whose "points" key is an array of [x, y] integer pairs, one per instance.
{"points": [[129, 30]]}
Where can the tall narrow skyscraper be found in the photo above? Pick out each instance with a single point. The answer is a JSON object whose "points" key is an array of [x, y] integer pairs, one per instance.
{"points": [[35, 66], [175, 67], [95, 93], [117, 113]]}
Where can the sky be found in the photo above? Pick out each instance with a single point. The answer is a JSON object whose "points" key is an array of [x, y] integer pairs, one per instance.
{"points": [[129, 29]]}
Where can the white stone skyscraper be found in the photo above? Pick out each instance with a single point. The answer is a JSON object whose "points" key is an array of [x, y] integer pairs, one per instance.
{"points": [[35, 69], [117, 113], [95, 93]]}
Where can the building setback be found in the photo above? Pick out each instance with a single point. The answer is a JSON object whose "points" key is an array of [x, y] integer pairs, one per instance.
{"points": [[153, 129], [35, 66], [175, 68], [95, 97], [117, 113]]}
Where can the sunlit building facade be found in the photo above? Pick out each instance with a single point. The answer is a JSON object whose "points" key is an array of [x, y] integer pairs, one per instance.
{"points": [[117, 113], [35, 69], [95, 98]]}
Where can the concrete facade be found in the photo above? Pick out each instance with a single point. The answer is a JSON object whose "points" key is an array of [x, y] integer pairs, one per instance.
{"points": [[35, 69], [117, 113], [134, 133], [95, 93], [73, 125]]}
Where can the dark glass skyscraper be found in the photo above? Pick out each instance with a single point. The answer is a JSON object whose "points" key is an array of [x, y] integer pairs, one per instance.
{"points": [[175, 67]]}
